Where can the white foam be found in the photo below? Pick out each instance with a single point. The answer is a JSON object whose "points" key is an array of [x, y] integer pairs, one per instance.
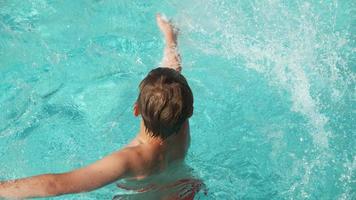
{"points": [[289, 47]]}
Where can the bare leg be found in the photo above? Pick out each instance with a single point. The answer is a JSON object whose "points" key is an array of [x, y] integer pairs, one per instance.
{"points": [[171, 57]]}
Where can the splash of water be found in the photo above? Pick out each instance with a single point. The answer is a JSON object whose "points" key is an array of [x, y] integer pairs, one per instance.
{"points": [[296, 46], [285, 43]]}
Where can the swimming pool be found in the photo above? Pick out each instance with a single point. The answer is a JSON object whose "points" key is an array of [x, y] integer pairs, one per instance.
{"points": [[274, 87]]}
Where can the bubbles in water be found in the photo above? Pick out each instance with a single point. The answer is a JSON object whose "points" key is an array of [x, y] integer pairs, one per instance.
{"points": [[288, 43], [302, 49]]}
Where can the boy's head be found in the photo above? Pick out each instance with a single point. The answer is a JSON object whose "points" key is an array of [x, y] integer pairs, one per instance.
{"points": [[165, 102]]}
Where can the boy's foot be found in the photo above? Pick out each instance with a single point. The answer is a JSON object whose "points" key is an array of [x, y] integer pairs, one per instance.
{"points": [[168, 30]]}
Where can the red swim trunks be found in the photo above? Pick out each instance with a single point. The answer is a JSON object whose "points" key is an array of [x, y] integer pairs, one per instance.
{"points": [[182, 189]]}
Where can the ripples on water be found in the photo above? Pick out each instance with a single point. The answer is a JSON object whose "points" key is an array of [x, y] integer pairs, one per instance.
{"points": [[274, 86]]}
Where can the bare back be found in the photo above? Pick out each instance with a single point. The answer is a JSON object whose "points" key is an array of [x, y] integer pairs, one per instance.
{"points": [[149, 157]]}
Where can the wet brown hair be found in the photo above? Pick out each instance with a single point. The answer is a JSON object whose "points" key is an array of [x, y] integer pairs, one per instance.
{"points": [[165, 102]]}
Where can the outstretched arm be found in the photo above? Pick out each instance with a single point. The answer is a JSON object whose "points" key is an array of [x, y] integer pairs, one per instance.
{"points": [[98, 174], [171, 57]]}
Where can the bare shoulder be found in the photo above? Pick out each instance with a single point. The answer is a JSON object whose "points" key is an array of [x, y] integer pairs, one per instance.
{"points": [[140, 158], [130, 153]]}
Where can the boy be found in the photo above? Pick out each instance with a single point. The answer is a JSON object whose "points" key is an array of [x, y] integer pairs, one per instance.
{"points": [[165, 103]]}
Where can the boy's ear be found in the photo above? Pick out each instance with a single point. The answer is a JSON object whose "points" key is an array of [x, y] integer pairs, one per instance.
{"points": [[136, 112]]}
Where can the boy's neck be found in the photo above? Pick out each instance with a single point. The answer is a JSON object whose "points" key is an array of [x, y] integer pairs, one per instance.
{"points": [[145, 137]]}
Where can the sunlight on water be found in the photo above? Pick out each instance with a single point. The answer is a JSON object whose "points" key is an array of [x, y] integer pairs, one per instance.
{"points": [[285, 43], [274, 86], [300, 48]]}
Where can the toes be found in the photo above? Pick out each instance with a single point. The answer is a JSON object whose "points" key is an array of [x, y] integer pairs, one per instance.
{"points": [[161, 18], [158, 16]]}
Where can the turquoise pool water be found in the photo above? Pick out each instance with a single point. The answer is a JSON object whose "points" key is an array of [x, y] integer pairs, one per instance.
{"points": [[274, 86]]}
